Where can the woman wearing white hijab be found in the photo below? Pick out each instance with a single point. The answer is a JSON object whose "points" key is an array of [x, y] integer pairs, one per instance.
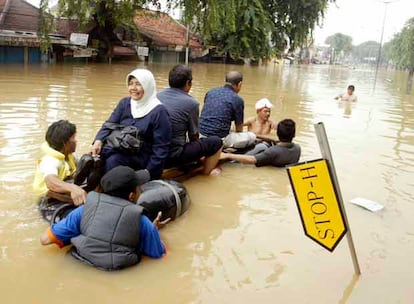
{"points": [[143, 110]]}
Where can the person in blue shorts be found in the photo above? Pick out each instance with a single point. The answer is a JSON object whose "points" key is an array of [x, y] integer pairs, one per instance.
{"points": [[109, 231]]}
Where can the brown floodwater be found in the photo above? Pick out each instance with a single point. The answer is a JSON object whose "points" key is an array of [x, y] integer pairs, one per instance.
{"points": [[242, 240]]}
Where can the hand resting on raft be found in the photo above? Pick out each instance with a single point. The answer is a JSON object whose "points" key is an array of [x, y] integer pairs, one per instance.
{"points": [[96, 148], [157, 223], [74, 192]]}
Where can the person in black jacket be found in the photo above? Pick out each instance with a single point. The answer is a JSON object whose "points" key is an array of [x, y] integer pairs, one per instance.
{"points": [[144, 111]]}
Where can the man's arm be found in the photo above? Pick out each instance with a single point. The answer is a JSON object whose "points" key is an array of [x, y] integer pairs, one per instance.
{"points": [[268, 138], [249, 122], [239, 127], [54, 184], [150, 240], [192, 124], [241, 158]]}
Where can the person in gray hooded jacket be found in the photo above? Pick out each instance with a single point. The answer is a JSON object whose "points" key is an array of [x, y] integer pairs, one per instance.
{"points": [[109, 231]]}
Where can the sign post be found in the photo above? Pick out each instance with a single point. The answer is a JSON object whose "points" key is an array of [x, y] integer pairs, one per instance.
{"points": [[326, 154], [319, 199]]}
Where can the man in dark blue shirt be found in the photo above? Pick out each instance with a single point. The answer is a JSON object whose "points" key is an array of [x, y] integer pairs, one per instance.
{"points": [[183, 110], [222, 106]]}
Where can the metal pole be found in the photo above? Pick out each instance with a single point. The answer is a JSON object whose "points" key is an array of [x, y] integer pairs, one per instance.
{"points": [[187, 43], [326, 154], [382, 36]]}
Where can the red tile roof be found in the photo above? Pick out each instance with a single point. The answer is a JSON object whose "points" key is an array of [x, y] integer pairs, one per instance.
{"points": [[162, 29]]}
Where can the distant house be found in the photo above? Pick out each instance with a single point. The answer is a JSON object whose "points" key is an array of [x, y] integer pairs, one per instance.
{"points": [[19, 42], [160, 38], [18, 27], [165, 37]]}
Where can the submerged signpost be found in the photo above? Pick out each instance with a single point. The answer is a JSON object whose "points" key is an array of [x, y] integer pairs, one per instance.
{"points": [[319, 200]]}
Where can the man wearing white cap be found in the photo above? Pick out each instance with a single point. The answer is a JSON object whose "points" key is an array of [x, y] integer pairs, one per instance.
{"points": [[261, 124]]}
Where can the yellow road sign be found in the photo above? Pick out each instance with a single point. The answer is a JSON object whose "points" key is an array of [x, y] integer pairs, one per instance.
{"points": [[317, 201]]}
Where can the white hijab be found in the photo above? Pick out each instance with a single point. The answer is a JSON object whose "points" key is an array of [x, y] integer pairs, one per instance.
{"points": [[140, 108]]}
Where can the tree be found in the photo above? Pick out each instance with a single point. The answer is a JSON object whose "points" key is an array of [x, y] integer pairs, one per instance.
{"points": [[240, 28], [340, 43], [106, 15], [401, 51], [255, 28], [366, 52], [45, 25]]}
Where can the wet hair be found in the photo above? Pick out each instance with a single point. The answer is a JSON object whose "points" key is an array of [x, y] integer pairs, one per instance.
{"points": [[59, 133], [179, 75], [286, 129], [234, 77], [351, 87]]}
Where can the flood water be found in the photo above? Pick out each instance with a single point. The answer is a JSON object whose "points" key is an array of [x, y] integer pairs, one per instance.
{"points": [[242, 240]]}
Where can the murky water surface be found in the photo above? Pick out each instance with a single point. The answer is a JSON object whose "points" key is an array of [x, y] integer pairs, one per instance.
{"points": [[242, 239]]}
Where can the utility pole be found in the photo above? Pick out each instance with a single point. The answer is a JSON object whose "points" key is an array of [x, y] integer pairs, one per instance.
{"points": [[386, 2], [187, 44]]}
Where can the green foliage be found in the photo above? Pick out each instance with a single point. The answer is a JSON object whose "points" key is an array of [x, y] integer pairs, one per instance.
{"points": [[340, 43], [104, 12], [256, 28], [241, 28], [401, 47], [45, 25], [365, 50]]}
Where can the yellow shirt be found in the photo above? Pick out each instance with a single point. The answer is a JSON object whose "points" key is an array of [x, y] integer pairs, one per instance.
{"points": [[56, 163]]}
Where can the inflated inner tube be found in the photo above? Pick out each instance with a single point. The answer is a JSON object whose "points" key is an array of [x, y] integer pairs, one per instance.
{"points": [[53, 210], [169, 197]]}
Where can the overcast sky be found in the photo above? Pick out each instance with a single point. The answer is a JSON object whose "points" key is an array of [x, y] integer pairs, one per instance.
{"points": [[363, 19], [360, 19]]}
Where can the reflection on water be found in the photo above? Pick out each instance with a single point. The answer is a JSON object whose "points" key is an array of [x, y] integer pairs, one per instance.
{"points": [[242, 240]]}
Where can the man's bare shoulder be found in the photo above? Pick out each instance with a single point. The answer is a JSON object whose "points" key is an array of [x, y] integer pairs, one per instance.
{"points": [[250, 121]]}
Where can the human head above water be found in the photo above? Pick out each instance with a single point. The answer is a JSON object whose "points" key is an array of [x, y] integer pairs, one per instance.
{"points": [[234, 78], [141, 79], [180, 76], [286, 129], [123, 182], [59, 133]]}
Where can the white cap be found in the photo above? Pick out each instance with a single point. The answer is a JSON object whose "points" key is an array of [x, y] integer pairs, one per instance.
{"points": [[263, 103]]}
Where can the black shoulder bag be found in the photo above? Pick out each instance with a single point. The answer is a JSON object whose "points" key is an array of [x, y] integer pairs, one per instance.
{"points": [[125, 139]]}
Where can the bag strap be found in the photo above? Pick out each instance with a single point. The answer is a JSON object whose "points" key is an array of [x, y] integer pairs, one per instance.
{"points": [[112, 126], [176, 195]]}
